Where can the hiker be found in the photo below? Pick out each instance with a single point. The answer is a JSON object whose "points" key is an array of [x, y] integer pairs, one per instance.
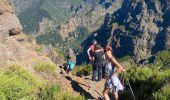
{"points": [[90, 50], [112, 81], [71, 61], [98, 58]]}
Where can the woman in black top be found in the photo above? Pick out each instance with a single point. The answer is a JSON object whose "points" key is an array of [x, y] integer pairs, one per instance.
{"points": [[98, 57]]}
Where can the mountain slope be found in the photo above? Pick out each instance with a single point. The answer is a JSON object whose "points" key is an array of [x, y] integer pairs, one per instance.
{"points": [[143, 25], [138, 28]]}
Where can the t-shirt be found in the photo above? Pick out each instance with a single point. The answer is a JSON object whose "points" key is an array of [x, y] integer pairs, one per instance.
{"points": [[92, 48], [99, 58]]}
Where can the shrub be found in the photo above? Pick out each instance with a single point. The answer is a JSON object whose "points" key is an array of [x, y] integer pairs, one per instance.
{"points": [[148, 83], [45, 67], [55, 92], [82, 70], [163, 93], [138, 74], [162, 58], [2, 96], [16, 83]]}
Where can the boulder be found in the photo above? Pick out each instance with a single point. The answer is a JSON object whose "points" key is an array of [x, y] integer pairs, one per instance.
{"points": [[15, 31], [8, 19], [1, 12]]}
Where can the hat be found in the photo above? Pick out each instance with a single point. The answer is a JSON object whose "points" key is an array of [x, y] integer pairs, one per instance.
{"points": [[108, 47]]}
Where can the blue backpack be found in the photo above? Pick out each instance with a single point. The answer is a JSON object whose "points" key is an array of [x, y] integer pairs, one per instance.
{"points": [[71, 64]]}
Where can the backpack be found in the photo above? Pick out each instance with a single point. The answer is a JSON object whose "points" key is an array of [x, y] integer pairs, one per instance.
{"points": [[104, 59], [71, 65]]}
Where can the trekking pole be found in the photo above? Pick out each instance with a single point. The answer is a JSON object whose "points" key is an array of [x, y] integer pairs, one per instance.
{"points": [[131, 90]]}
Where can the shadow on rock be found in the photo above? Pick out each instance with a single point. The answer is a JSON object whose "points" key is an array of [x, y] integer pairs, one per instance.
{"points": [[75, 85]]}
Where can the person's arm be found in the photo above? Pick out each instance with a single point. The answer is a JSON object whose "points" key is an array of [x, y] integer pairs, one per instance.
{"points": [[114, 61], [88, 52], [118, 65]]}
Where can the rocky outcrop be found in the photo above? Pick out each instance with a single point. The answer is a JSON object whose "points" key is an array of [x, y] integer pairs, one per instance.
{"points": [[16, 47], [8, 19], [53, 54], [14, 31], [19, 49]]}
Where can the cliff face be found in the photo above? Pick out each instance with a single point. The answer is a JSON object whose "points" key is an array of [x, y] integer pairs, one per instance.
{"points": [[8, 19], [15, 47], [140, 28]]}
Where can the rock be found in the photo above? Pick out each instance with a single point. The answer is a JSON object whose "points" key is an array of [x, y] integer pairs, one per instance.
{"points": [[14, 31], [8, 19], [17, 48], [1, 12], [48, 50]]}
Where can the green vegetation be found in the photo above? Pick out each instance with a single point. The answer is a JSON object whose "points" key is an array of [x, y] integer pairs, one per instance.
{"points": [[55, 92], [148, 82], [17, 83], [138, 74], [45, 67], [50, 38], [82, 70], [163, 93], [74, 41], [31, 17], [162, 59], [57, 11], [81, 33]]}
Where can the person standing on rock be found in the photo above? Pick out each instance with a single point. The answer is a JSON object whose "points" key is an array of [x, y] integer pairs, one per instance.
{"points": [[112, 81], [98, 57]]}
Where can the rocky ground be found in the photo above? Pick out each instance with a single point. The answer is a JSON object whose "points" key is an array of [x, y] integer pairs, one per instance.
{"points": [[81, 85]]}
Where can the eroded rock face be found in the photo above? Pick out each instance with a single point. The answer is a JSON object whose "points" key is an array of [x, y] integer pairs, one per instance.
{"points": [[8, 19], [16, 47], [145, 23]]}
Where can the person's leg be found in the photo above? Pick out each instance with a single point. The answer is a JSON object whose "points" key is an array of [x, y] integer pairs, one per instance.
{"points": [[99, 73], [94, 74], [115, 94], [69, 72], [67, 69], [105, 93], [103, 71]]}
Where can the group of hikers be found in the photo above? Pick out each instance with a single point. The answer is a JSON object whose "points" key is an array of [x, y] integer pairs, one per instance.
{"points": [[104, 66]]}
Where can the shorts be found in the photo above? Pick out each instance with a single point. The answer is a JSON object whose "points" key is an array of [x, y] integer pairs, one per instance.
{"points": [[109, 85]]}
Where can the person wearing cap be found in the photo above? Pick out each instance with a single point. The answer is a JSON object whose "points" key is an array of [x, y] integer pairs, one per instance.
{"points": [[112, 68]]}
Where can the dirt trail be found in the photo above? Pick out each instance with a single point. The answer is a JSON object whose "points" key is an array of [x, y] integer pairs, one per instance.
{"points": [[79, 85]]}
